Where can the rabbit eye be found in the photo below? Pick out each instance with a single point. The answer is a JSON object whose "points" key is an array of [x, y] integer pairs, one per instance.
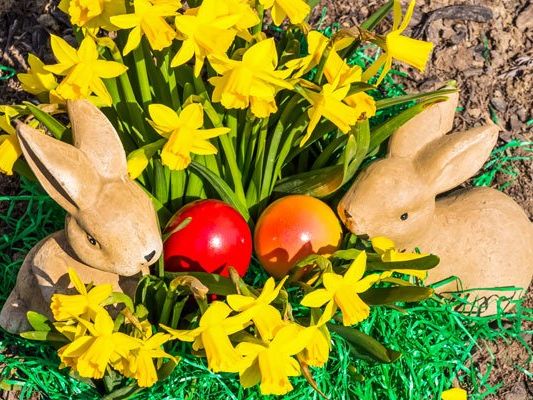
{"points": [[91, 240], [404, 216]]}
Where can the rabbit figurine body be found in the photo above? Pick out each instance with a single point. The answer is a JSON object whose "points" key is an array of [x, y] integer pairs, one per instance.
{"points": [[481, 235], [111, 231]]}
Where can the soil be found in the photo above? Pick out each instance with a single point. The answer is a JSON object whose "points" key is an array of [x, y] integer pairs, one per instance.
{"points": [[487, 49]]}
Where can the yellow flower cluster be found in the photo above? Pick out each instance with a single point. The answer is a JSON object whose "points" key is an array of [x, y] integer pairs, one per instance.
{"points": [[95, 344], [269, 357], [245, 67]]}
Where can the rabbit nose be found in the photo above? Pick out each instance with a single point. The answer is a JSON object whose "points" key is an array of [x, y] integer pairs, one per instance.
{"points": [[148, 257]]}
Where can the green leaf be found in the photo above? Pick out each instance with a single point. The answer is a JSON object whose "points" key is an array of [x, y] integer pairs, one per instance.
{"points": [[349, 254], [381, 296], [215, 283], [365, 345], [222, 188], [323, 263], [55, 127], [383, 131], [324, 182], [119, 297], [376, 18], [167, 368], [394, 101], [45, 336], [420, 264], [38, 321]]}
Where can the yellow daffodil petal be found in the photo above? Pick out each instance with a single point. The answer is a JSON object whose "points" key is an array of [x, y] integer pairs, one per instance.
{"points": [[354, 310], [216, 313], [220, 353], [193, 115], [356, 270], [329, 312], [109, 69], [164, 118], [332, 281], [183, 335], [125, 21], [134, 40], [99, 293], [76, 281], [184, 54], [251, 375], [408, 50], [10, 151], [267, 320], [316, 353], [64, 53], [239, 302], [316, 298]]}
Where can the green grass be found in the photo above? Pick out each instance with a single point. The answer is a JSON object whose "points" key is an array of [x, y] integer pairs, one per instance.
{"points": [[436, 341]]}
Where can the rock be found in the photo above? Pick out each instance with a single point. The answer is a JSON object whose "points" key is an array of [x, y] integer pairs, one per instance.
{"points": [[499, 103], [525, 18]]}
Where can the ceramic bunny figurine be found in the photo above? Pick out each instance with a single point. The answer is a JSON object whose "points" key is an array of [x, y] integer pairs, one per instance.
{"points": [[111, 232], [482, 236]]}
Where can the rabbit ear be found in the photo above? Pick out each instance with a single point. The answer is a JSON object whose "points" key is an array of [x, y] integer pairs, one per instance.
{"points": [[452, 159], [97, 138], [64, 171], [430, 124]]}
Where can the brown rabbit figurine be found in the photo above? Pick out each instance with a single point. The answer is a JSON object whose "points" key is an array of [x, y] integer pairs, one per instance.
{"points": [[111, 232], [482, 236]]}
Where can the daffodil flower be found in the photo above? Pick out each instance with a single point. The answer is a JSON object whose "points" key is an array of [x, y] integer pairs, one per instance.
{"points": [[10, 149], [206, 30], [83, 70], [66, 306], [271, 364], [397, 46], [341, 291], [316, 46], [90, 354], [212, 335], [265, 317], [148, 19], [184, 134], [141, 360], [316, 351], [454, 394], [387, 251], [38, 80], [329, 104], [93, 13], [295, 10], [254, 81]]}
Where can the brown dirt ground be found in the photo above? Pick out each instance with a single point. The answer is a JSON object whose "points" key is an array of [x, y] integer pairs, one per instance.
{"points": [[488, 50]]}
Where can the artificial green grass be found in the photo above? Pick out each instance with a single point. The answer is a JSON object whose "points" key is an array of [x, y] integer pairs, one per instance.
{"points": [[436, 341]]}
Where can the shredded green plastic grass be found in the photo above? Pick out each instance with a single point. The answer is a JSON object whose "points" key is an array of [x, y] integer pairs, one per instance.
{"points": [[502, 161], [436, 341]]}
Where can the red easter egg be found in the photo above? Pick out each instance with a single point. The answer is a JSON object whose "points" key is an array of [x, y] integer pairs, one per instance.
{"points": [[293, 228], [216, 237]]}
